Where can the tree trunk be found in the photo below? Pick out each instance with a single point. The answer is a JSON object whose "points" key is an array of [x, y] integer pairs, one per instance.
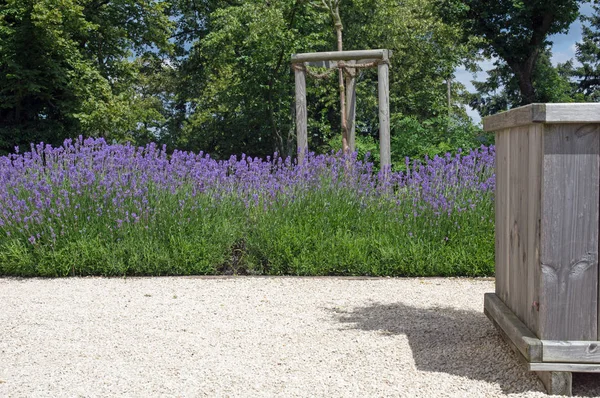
{"points": [[345, 140], [527, 89], [334, 9], [524, 72], [449, 95]]}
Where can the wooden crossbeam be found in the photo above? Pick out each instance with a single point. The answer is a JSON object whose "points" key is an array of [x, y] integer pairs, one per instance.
{"points": [[378, 58], [329, 64], [342, 56]]}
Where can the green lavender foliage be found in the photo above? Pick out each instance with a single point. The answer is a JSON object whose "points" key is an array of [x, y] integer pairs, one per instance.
{"points": [[89, 208]]}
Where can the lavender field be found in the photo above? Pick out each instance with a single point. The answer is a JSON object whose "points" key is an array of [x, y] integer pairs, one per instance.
{"points": [[90, 208]]}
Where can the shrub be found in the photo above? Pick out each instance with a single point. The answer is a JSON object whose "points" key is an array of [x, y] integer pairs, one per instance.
{"points": [[90, 208]]}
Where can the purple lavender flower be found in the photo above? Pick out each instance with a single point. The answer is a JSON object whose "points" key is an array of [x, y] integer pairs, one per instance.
{"points": [[51, 190]]}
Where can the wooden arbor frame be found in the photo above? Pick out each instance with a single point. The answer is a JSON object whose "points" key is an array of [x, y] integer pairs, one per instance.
{"points": [[351, 61]]}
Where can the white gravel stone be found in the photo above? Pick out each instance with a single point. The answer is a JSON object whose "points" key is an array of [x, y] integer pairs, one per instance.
{"points": [[256, 337]]}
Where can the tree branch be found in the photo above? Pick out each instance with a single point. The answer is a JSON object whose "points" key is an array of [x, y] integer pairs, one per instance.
{"points": [[540, 30]]}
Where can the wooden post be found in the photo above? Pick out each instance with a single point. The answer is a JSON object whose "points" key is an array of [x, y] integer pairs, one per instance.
{"points": [[351, 107], [301, 116], [384, 114], [329, 60], [547, 236], [557, 383]]}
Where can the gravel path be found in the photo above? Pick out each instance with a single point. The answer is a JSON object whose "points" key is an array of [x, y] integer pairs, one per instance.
{"points": [[256, 337]]}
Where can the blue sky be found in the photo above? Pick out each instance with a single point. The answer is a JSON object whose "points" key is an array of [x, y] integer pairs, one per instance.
{"points": [[563, 49]]}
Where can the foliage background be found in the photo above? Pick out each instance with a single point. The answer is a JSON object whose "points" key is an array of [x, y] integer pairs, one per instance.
{"points": [[214, 75]]}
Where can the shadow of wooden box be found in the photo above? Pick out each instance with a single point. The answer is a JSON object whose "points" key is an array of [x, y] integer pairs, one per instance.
{"points": [[547, 205]]}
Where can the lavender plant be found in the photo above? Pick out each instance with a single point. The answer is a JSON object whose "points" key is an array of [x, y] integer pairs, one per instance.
{"points": [[90, 208]]}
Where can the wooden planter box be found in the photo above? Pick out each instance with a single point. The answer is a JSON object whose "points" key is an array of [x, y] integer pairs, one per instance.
{"points": [[547, 207]]}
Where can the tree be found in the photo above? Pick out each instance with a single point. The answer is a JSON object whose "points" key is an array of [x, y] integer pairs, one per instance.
{"points": [[426, 53], [501, 90], [235, 76], [588, 54], [67, 67], [238, 80], [514, 31], [333, 7], [214, 75]]}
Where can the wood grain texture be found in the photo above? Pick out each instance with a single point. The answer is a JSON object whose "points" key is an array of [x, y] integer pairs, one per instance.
{"points": [[334, 64], [564, 367], [518, 179], [501, 213], [517, 223], [533, 218], [341, 55], [569, 233], [507, 339], [557, 383], [517, 333], [571, 351], [383, 88], [512, 118], [569, 113], [351, 108], [301, 114], [543, 113]]}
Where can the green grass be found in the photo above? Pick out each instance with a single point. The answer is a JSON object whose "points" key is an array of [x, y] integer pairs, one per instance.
{"points": [[96, 209], [325, 233]]}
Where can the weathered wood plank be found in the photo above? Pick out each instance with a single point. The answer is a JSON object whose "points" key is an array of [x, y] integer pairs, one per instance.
{"points": [[512, 118], [507, 339], [569, 233], [557, 383], [564, 367], [533, 217], [341, 55], [383, 88], [512, 217], [517, 220], [518, 179], [334, 64], [501, 213], [301, 114], [526, 342], [543, 113], [568, 113], [351, 108], [571, 351]]}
